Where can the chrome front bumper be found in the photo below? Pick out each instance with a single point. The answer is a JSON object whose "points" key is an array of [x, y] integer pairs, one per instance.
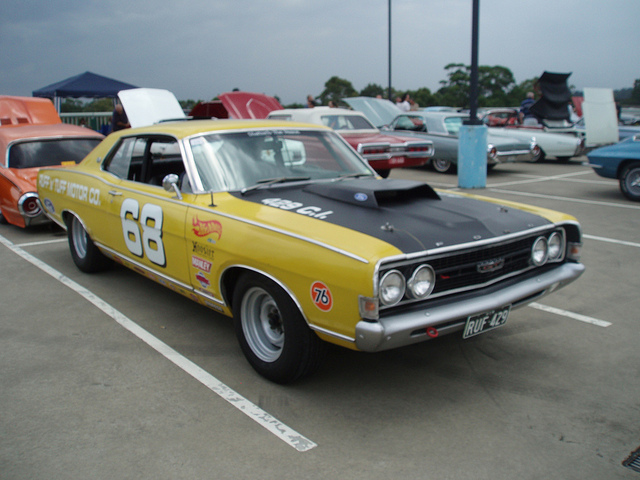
{"points": [[513, 156], [408, 327]]}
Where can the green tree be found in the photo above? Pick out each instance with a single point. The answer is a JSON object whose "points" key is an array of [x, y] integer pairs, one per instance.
{"points": [[99, 105], [635, 93], [71, 105], [455, 91], [336, 88], [372, 90], [423, 97], [495, 84]]}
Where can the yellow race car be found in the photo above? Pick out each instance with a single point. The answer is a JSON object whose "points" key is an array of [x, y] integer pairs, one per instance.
{"points": [[284, 227]]}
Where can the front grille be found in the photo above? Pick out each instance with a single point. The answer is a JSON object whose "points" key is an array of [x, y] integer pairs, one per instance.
{"points": [[461, 270], [476, 267]]}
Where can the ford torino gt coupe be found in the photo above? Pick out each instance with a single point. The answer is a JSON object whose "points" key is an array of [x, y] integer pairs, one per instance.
{"points": [[32, 136], [284, 227]]}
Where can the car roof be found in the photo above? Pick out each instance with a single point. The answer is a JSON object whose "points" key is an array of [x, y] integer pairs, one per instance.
{"points": [[314, 114], [187, 128]]}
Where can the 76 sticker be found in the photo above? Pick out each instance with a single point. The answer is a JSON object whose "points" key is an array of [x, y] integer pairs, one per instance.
{"points": [[321, 296]]}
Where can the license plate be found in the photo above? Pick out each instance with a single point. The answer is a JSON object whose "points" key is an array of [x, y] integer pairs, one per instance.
{"points": [[484, 322]]}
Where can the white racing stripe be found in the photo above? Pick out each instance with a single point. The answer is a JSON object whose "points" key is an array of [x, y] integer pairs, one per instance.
{"points": [[264, 419], [566, 313]]}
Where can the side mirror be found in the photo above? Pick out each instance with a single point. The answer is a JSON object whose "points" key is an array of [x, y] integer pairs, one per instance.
{"points": [[170, 184]]}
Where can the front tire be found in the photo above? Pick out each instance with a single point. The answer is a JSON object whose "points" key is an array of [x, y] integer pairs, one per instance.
{"points": [[85, 254], [630, 181], [272, 333]]}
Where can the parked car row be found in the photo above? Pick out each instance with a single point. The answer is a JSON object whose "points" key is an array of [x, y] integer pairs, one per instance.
{"points": [[285, 227]]}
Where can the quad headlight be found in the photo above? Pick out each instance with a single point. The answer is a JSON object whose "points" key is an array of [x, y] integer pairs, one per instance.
{"points": [[549, 248], [392, 287], [556, 246], [417, 284], [421, 283]]}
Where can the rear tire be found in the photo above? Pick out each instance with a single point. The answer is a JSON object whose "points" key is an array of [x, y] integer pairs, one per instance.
{"points": [[85, 254], [272, 333], [630, 181], [442, 166]]}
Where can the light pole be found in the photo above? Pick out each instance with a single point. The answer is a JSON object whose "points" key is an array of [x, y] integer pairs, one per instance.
{"points": [[472, 143], [389, 91]]}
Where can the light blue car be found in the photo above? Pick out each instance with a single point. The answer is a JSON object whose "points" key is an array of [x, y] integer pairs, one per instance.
{"points": [[621, 161]]}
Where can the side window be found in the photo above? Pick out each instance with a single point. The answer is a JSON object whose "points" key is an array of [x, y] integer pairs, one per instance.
{"points": [[164, 158], [126, 161], [146, 159]]}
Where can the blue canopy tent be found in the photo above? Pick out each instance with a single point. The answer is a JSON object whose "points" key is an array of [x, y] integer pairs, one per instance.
{"points": [[85, 85]]}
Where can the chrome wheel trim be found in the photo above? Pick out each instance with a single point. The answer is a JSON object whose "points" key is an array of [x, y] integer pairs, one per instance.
{"points": [[441, 166], [262, 324], [632, 182], [79, 237]]}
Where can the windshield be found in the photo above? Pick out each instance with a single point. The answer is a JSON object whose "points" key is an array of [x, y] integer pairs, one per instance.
{"points": [[238, 160], [453, 124], [347, 122], [44, 153]]}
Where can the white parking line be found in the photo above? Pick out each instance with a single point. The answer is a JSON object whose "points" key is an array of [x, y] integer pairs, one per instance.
{"points": [[575, 316], [272, 424], [612, 240], [565, 199], [43, 242], [536, 179]]}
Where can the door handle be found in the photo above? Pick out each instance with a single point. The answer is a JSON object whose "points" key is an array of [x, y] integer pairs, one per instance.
{"points": [[115, 193]]}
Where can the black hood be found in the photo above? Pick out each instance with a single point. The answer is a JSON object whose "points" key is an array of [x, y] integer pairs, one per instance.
{"points": [[409, 215]]}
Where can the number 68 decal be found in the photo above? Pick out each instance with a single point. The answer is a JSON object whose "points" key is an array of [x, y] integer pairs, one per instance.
{"points": [[150, 242]]}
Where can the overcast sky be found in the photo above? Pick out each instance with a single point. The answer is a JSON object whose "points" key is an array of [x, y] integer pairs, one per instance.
{"points": [[289, 48]]}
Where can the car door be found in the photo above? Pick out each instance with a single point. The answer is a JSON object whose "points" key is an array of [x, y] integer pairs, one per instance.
{"points": [[147, 223]]}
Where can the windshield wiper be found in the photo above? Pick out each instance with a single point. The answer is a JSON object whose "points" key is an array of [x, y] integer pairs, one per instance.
{"points": [[265, 182], [351, 175]]}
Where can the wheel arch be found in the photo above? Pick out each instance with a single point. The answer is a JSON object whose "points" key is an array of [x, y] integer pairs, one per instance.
{"points": [[624, 164], [231, 275]]}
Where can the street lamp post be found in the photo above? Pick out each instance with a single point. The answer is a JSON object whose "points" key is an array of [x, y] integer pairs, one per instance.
{"points": [[472, 142], [389, 90]]}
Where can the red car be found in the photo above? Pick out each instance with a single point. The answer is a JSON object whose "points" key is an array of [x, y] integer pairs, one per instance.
{"points": [[382, 151], [33, 136]]}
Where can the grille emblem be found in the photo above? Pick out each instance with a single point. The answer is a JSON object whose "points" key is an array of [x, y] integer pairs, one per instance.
{"points": [[490, 265]]}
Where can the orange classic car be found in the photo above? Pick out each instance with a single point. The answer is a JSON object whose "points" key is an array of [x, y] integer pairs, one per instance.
{"points": [[32, 135]]}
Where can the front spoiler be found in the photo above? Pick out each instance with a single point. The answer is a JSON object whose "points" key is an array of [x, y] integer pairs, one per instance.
{"points": [[409, 327]]}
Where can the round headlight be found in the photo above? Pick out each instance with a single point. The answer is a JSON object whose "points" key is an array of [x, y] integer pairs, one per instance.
{"points": [[540, 251], [492, 152], [422, 281], [556, 246], [392, 287]]}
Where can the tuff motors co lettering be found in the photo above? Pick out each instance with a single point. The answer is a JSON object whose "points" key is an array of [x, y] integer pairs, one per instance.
{"points": [[77, 191], [310, 211]]}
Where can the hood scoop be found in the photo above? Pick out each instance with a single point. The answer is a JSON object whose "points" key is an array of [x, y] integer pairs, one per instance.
{"points": [[373, 193]]}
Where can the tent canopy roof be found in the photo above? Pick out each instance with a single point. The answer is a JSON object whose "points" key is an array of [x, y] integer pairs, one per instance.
{"points": [[87, 84]]}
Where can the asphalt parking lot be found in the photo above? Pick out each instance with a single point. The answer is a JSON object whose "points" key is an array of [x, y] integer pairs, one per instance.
{"points": [[113, 376]]}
